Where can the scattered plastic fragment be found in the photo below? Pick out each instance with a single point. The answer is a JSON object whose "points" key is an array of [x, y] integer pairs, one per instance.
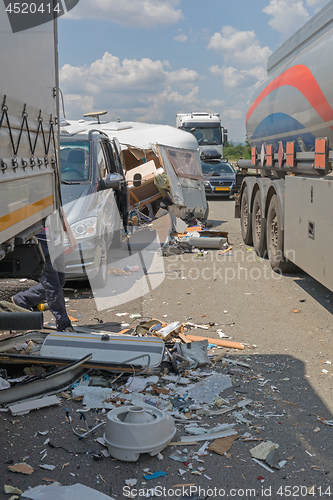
{"points": [[10, 489], [55, 491], [222, 445], [139, 384], [33, 404], [262, 450], [131, 482], [47, 467], [263, 465], [4, 384], [210, 436], [22, 468], [155, 475], [324, 421], [207, 390]]}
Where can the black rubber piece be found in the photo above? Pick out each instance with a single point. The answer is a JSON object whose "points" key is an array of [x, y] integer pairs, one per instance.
{"points": [[21, 321]]}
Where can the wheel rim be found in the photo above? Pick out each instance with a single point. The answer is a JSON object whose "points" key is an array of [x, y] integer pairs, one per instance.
{"points": [[258, 222], [274, 234], [245, 214]]}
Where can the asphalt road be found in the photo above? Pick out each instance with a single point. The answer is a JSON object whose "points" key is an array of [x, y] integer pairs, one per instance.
{"points": [[285, 323]]}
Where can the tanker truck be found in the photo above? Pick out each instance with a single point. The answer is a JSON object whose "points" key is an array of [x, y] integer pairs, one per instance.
{"points": [[285, 204], [29, 176]]}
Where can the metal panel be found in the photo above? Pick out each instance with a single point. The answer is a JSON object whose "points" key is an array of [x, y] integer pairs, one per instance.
{"points": [[104, 348], [309, 226], [186, 192], [28, 81]]}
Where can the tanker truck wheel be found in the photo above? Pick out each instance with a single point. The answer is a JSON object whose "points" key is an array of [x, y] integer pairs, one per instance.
{"points": [[258, 227], [245, 218], [277, 261]]}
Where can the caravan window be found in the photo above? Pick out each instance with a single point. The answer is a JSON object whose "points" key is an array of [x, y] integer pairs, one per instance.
{"points": [[185, 163]]}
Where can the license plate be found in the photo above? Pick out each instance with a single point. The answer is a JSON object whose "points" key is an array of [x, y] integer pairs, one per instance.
{"points": [[221, 189]]}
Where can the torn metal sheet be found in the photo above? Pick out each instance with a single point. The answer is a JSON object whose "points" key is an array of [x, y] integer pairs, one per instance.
{"points": [[55, 381], [104, 348]]}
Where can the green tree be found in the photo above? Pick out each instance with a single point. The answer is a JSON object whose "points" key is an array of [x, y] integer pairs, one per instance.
{"points": [[237, 150]]}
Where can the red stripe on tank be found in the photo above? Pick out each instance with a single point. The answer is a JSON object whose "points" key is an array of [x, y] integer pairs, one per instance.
{"points": [[301, 78]]}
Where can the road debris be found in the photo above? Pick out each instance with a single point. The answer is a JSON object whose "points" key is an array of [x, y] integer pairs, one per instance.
{"points": [[182, 398], [21, 468]]}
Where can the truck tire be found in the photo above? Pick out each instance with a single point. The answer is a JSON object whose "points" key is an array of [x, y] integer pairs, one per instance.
{"points": [[100, 280], [245, 218], [275, 244], [11, 287], [258, 227]]}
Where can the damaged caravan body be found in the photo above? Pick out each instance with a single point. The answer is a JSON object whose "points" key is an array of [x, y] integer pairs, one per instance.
{"points": [[162, 166]]}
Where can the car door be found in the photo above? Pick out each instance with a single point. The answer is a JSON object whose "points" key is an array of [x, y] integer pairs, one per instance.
{"points": [[122, 194], [187, 190], [110, 217]]}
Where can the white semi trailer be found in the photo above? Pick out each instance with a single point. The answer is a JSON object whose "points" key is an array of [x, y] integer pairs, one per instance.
{"points": [[286, 203], [207, 129], [29, 187]]}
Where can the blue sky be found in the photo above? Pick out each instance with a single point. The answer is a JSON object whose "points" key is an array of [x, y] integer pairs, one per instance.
{"points": [[146, 60]]}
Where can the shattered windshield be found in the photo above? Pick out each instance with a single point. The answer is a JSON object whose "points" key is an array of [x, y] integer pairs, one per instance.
{"points": [[74, 161]]}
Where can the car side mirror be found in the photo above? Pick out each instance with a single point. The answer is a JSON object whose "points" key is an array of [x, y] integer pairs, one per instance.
{"points": [[114, 181]]}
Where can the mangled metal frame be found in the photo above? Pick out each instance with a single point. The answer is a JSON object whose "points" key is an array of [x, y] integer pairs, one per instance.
{"points": [[181, 168]]}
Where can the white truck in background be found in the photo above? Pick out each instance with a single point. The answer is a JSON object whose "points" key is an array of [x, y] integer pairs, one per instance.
{"points": [[207, 129], [29, 184]]}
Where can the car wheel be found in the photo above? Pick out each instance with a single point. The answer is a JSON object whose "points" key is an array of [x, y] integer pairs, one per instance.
{"points": [[245, 219], [100, 280]]}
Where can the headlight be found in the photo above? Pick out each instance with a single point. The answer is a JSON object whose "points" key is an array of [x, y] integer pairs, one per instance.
{"points": [[84, 228], [206, 183]]}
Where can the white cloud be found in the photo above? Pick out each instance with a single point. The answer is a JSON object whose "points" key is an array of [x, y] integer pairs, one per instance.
{"points": [[181, 37], [232, 114], [235, 78], [239, 47], [288, 16], [108, 74], [136, 13], [132, 89]]}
